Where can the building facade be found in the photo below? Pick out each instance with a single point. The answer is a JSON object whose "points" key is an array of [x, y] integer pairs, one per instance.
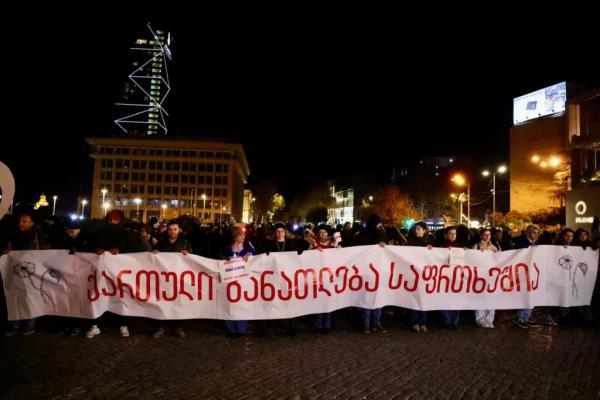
{"points": [[168, 177]]}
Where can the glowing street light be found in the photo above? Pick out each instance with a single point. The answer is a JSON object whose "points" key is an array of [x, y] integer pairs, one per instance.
{"points": [[501, 169], [164, 209], [460, 180], [535, 159], [55, 197], [137, 202], [104, 191], [543, 164], [554, 161], [83, 203]]}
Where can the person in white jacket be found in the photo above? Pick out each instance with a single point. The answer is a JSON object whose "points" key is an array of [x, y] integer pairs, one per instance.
{"points": [[485, 318]]}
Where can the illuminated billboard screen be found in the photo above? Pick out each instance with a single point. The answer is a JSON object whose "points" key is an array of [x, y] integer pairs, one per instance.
{"points": [[550, 100]]}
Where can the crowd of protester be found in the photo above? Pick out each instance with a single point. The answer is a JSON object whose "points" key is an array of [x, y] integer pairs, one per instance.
{"points": [[116, 234]]}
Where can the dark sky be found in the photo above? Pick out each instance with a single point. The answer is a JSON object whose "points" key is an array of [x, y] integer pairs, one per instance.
{"points": [[296, 94]]}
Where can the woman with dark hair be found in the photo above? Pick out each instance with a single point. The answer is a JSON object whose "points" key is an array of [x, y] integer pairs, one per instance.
{"points": [[485, 318], [566, 237], [450, 318], [582, 238], [238, 246]]}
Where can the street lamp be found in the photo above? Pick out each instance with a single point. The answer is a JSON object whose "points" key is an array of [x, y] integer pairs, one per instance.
{"points": [[164, 209], [137, 202], [104, 191], [105, 207], [54, 205], [203, 205], [461, 181], [501, 169], [83, 203]]}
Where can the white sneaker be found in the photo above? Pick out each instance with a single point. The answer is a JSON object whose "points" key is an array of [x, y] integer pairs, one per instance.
{"points": [[124, 331], [94, 331]]}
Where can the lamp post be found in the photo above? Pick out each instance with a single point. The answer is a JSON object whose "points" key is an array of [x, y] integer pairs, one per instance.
{"points": [[164, 209], [83, 203], [461, 181], [137, 202], [104, 191], [501, 169], [54, 205], [203, 205]]}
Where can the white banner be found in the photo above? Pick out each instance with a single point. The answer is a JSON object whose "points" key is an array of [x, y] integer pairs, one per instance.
{"points": [[284, 285]]}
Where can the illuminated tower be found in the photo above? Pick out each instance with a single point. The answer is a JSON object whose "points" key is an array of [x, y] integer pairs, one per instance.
{"points": [[141, 112]]}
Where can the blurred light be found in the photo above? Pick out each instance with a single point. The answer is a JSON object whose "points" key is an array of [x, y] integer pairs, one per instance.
{"points": [[106, 205], [459, 179], [74, 217], [502, 169], [370, 198], [295, 227], [554, 161], [104, 191], [81, 217], [164, 206], [137, 201], [84, 202], [452, 160], [543, 164], [485, 173], [535, 159]]}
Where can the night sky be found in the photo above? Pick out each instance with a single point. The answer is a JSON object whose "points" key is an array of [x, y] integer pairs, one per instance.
{"points": [[295, 94]]}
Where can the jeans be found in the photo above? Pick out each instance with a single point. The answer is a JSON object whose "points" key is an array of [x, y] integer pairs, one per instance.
{"points": [[450, 317], [323, 321], [370, 318], [240, 327], [417, 317], [524, 314], [26, 324]]}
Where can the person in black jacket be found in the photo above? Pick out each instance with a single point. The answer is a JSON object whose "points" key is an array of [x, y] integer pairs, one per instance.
{"points": [[115, 238], [174, 242], [27, 236], [281, 243]]}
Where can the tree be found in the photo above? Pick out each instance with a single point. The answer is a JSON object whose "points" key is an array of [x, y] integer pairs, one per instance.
{"points": [[317, 215], [265, 192], [316, 197], [516, 220], [393, 206]]}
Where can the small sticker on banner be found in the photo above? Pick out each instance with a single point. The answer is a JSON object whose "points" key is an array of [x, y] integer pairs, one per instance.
{"points": [[233, 269]]}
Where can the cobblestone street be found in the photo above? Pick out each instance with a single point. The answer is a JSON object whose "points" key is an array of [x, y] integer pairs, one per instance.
{"points": [[470, 363]]}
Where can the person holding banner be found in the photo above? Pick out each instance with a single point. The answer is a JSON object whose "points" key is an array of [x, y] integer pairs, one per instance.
{"points": [[450, 318], [374, 233], [278, 244], [113, 237], [28, 236], [173, 243], [323, 320], [485, 318], [418, 237], [530, 238], [238, 247]]}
